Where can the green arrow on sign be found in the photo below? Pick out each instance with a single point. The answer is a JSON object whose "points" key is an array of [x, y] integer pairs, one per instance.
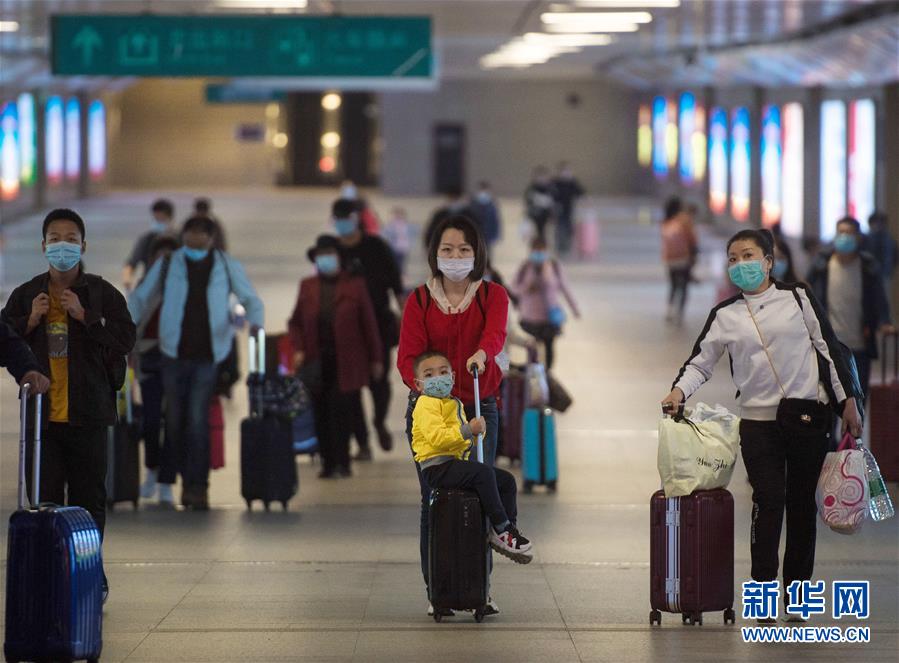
{"points": [[87, 40]]}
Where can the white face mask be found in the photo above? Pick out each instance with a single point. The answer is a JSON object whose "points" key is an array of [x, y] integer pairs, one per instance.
{"points": [[455, 269]]}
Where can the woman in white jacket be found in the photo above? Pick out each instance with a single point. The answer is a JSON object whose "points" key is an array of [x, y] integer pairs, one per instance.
{"points": [[786, 363]]}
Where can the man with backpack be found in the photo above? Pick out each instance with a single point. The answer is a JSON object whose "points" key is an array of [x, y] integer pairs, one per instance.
{"points": [[79, 328], [195, 334]]}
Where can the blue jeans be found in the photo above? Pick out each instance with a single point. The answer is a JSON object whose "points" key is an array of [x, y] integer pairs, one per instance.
{"points": [[188, 387], [491, 415]]}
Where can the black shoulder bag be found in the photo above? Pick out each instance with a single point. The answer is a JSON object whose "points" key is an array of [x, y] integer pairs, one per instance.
{"points": [[798, 416]]}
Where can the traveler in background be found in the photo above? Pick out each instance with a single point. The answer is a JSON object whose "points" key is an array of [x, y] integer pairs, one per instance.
{"points": [[783, 269], [783, 466], [398, 234], [195, 335], [203, 207], [338, 349], [485, 212], [462, 316], [457, 204], [539, 201], [78, 327], [540, 285], [678, 251], [848, 283], [163, 224], [566, 190], [369, 221], [149, 374], [882, 246], [370, 257], [17, 358]]}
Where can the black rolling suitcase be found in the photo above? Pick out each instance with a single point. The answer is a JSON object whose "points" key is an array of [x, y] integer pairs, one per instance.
{"points": [[122, 452], [268, 470], [458, 560]]}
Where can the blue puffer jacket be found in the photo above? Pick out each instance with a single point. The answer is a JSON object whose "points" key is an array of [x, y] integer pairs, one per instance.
{"points": [[225, 269]]}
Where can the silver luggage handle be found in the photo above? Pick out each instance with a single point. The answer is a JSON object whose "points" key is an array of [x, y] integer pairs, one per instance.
{"points": [[256, 360], [23, 447], [477, 410]]}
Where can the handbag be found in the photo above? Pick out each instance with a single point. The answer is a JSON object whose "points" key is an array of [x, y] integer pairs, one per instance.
{"points": [[800, 416], [559, 398], [842, 493]]}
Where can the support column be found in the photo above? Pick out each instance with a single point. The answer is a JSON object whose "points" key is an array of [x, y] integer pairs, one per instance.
{"points": [[890, 174], [811, 163], [755, 156]]}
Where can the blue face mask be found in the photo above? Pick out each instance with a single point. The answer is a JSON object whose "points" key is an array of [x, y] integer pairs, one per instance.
{"points": [[538, 257], [780, 268], [63, 256], [748, 275], [345, 227], [439, 386], [845, 243], [159, 227], [195, 255], [327, 264]]}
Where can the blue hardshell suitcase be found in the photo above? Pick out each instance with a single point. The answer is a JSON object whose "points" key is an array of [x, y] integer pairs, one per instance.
{"points": [[54, 577], [539, 459]]}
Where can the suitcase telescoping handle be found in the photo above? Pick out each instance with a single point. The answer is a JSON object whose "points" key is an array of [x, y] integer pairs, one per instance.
{"points": [[477, 410], [257, 352], [23, 444], [883, 357]]}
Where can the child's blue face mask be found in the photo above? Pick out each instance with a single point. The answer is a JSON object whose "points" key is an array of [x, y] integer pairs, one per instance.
{"points": [[439, 386]]}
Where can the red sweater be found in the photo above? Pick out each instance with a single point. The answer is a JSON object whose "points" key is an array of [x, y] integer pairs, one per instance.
{"points": [[458, 336]]}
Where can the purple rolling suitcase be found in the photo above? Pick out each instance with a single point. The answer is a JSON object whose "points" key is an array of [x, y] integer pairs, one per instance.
{"points": [[54, 574]]}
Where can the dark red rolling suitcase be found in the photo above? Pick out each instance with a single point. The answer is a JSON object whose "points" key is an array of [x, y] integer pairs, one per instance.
{"points": [[511, 421], [883, 414], [691, 561]]}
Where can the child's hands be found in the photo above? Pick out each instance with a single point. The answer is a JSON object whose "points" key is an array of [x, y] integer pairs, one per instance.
{"points": [[478, 426]]}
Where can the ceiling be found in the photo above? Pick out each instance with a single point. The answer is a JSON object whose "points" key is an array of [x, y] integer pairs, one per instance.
{"points": [[699, 42]]}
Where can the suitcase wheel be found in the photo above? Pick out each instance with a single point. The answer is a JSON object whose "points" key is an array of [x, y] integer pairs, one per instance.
{"points": [[267, 505], [438, 617], [479, 615], [696, 619], [684, 617], [249, 505], [135, 503], [528, 487], [729, 616], [284, 505], [551, 486], [655, 617]]}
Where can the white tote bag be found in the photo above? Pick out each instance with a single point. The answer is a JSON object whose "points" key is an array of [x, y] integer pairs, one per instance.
{"points": [[699, 451], [842, 494]]}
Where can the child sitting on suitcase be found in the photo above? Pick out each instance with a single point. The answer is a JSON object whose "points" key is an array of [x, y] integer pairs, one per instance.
{"points": [[442, 441]]}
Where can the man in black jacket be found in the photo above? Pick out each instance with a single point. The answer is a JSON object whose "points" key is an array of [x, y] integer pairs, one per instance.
{"points": [[847, 282], [19, 360], [79, 328]]}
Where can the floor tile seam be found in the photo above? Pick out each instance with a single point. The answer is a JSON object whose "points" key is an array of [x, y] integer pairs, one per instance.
{"points": [[561, 614], [209, 566]]}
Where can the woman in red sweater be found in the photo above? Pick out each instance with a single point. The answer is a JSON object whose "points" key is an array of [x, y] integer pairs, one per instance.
{"points": [[464, 317], [338, 350]]}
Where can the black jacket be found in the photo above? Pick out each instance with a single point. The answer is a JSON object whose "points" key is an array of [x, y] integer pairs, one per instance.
{"points": [[875, 309], [15, 354], [108, 332]]}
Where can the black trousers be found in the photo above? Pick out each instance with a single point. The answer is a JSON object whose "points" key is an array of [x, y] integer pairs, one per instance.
{"points": [[679, 281], [495, 487], [334, 419], [381, 393], [545, 332], [783, 471], [73, 464]]}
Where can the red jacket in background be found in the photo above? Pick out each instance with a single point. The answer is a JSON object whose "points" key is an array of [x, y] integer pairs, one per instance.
{"points": [[458, 336], [355, 329]]}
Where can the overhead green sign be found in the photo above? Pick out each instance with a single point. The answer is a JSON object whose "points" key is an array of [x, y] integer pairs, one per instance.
{"points": [[241, 45]]}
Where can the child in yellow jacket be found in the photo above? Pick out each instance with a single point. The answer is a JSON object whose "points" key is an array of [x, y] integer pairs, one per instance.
{"points": [[442, 441]]}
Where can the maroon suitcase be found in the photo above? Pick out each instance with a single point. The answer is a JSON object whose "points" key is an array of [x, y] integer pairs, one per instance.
{"points": [[691, 560], [512, 419], [883, 414]]}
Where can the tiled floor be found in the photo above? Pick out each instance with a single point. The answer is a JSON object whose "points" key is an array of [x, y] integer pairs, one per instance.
{"points": [[337, 578]]}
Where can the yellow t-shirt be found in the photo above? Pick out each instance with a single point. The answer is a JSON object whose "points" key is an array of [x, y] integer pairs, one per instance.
{"points": [[58, 347]]}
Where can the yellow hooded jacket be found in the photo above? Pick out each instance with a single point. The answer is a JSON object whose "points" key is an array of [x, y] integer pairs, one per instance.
{"points": [[440, 431]]}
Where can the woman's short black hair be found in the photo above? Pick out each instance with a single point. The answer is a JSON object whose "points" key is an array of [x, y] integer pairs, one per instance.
{"points": [[202, 224], [852, 221], [63, 214], [761, 237], [673, 206], [472, 235], [164, 206]]}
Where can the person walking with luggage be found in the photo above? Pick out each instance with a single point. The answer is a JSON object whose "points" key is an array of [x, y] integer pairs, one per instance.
{"points": [[539, 201], [485, 211], [140, 259], [539, 283], [442, 442], [398, 233], [334, 332], [679, 246], [882, 246], [370, 256], [848, 283], [195, 334], [78, 327], [459, 314], [774, 333], [566, 190], [149, 374]]}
